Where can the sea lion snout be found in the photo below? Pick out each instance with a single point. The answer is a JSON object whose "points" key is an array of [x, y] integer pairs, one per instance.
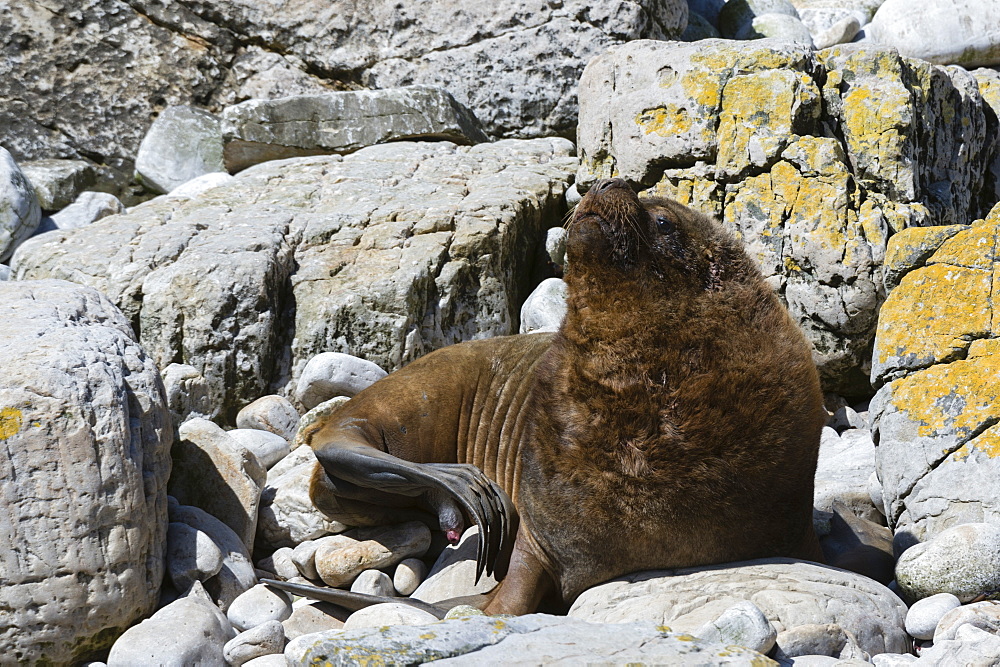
{"points": [[606, 184]]}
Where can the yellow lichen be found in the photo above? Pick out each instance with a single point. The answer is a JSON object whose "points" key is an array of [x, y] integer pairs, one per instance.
{"points": [[987, 443], [665, 121], [10, 422]]}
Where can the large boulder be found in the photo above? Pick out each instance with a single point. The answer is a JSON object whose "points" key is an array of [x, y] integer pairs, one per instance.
{"points": [[936, 361], [85, 437], [813, 158], [19, 210], [386, 254]]}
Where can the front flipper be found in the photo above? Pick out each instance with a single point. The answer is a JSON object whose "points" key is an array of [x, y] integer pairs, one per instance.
{"points": [[361, 472]]}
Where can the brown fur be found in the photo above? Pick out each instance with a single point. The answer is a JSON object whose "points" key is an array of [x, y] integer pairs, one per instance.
{"points": [[673, 420]]}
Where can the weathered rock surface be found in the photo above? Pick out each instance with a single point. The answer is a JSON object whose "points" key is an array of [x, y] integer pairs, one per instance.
{"points": [[216, 473], [57, 183], [270, 413], [387, 253], [182, 144], [287, 516], [84, 460], [792, 594], [935, 415], [814, 159], [19, 210], [376, 548], [956, 32], [268, 638], [257, 131], [269, 448], [191, 556], [388, 613], [554, 640]]}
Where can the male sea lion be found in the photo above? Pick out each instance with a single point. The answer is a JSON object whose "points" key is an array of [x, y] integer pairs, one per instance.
{"points": [[672, 421]]}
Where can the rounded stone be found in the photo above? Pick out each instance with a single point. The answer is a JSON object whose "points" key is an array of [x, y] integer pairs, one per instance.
{"points": [[983, 615], [304, 555], [332, 374], [388, 613], [268, 447], [270, 413], [743, 624], [182, 143], [924, 615], [191, 555], [374, 582], [259, 605], [19, 209], [268, 638], [282, 564], [409, 574], [89, 207], [545, 307], [202, 184], [963, 560], [377, 548]]}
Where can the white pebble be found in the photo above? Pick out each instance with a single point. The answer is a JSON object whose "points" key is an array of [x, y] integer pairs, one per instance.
{"points": [[743, 624], [270, 413], [388, 613], [268, 638], [282, 564], [374, 582], [268, 447], [409, 574], [259, 605], [924, 615], [333, 374]]}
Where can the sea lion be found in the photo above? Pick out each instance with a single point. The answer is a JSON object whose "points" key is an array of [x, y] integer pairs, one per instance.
{"points": [[672, 421]]}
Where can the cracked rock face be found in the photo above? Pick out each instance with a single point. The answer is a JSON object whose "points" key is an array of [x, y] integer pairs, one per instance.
{"points": [[87, 80], [937, 357], [814, 159], [84, 459], [386, 254]]}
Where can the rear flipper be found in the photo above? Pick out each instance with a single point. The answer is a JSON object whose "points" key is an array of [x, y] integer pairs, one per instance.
{"points": [[362, 482]]}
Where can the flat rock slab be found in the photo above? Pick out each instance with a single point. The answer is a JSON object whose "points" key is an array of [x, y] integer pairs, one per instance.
{"points": [[256, 131], [386, 254], [792, 594], [531, 639], [84, 459]]}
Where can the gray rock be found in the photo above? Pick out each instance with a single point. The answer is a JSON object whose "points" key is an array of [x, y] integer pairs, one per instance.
{"points": [[183, 143], [256, 131], [259, 605], [454, 572], [821, 15], [388, 614], [983, 615], [698, 28], [743, 624], [709, 9], [971, 646], [791, 594], [268, 638], [57, 183], [298, 456], [188, 631], [257, 73], [187, 393], [191, 556], [893, 659], [309, 617], [845, 464], [374, 582], [923, 616], [532, 639], [333, 374], [409, 574], [875, 493], [287, 516], [377, 548], [426, 258], [846, 418], [803, 643], [270, 413], [545, 308], [737, 16], [841, 32], [85, 456], [19, 210], [88, 207], [959, 32], [963, 560], [281, 563], [214, 472], [4, 272], [783, 27], [275, 660], [202, 184], [237, 573], [269, 448], [555, 238]]}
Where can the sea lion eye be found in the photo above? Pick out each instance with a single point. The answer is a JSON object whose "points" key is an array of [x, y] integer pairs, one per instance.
{"points": [[663, 224]]}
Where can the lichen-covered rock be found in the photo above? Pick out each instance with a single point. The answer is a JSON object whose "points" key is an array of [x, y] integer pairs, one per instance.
{"points": [[935, 417], [791, 594], [183, 143], [386, 254], [554, 640], [957, 32], [84, 459], [19, 210], [813, 159], [256, 131]]}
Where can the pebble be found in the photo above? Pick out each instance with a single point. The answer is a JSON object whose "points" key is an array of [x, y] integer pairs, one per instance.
{"points": [[841, 32], [963, 560], [270, 413], [743, 624], [409, 574], [924, 615], [265, 639], [783, 27], [268, 447], [332, 374], [545, 307], [983, 615], [191, 555], [304, 555], [281, 563], [259, 605], [555, 240], [377, 548], [310, 616], [89, 207], [388, 613], [374, 582], [454, 572]]}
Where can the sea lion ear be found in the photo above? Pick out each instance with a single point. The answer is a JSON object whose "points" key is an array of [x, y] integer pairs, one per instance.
{"points": [[716, 267]]}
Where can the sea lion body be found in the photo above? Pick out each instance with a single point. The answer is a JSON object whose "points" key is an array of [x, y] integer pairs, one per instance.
{"points": [[672, 421]]}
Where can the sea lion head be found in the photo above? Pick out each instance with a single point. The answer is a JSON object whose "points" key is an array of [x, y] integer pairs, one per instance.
{"points": [[614, 234]]}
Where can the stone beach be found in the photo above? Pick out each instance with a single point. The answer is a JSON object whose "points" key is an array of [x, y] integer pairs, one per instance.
{"points": [[219, 222]]}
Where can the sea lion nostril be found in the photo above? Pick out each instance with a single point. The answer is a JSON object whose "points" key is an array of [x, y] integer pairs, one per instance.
{"points": [[606, 184]]}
